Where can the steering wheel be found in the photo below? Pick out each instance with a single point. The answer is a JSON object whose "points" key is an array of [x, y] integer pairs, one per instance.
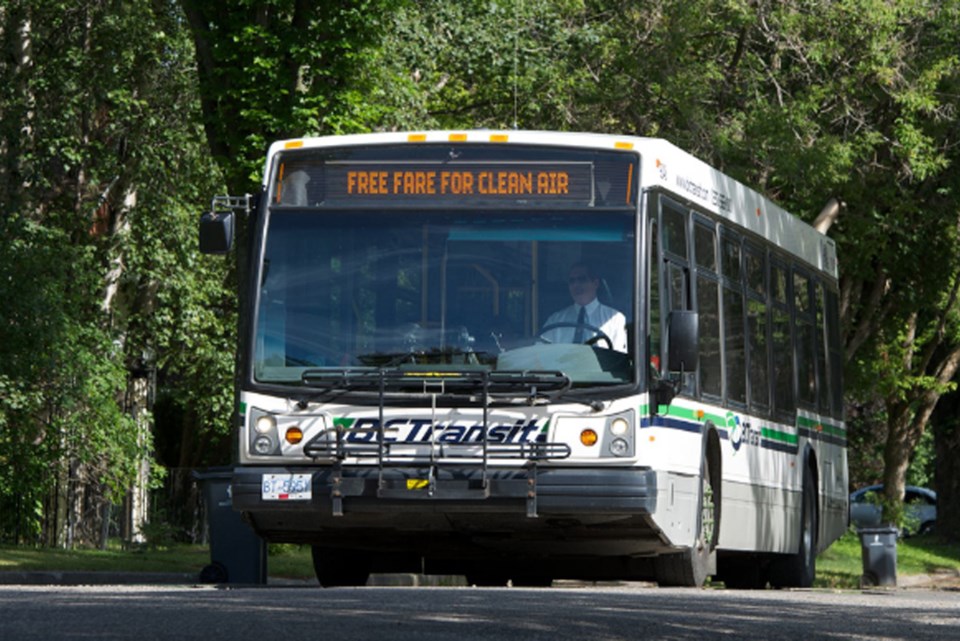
{"points": [[600, 334]]}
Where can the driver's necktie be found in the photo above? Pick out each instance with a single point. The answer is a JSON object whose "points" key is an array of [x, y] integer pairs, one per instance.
{"points": [[581, 320]]}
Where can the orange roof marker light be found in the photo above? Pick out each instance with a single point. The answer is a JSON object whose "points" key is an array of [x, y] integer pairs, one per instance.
{"points": [[623, 145], [458, 137], [293, 144], [417, 138], [499, 137]]}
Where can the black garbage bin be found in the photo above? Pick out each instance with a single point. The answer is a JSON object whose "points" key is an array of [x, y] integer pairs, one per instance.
{"points": [[878, 545], [237, 554]]}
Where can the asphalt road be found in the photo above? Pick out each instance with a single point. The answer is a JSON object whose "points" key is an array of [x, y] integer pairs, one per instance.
{"points": [[181, 613]]}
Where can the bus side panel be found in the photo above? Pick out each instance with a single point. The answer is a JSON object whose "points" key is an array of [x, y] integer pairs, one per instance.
{"points": [[759, 519], [833, 487]]}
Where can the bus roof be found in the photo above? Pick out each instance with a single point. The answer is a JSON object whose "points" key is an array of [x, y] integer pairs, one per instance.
{"points": [[663, 166]]}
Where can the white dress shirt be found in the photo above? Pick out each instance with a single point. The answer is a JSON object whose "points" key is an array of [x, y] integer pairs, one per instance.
{"points": [[612, 322]]}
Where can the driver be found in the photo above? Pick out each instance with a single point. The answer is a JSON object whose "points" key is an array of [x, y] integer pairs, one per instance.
{"points": [[580, 321]]}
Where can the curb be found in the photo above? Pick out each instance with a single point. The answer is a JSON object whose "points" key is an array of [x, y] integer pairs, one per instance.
{"points": [[95, 578], [73, 578]]}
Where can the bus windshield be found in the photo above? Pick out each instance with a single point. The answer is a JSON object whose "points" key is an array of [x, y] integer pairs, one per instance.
{"points": [[450, 289]]}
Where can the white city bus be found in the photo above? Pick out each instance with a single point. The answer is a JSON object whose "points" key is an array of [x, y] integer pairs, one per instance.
{"points": [[412, 400]]}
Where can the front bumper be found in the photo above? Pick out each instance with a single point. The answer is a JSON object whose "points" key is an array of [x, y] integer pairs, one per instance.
{"points": [[343, 491]]}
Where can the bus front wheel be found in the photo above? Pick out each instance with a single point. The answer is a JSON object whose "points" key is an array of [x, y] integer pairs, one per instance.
{"points": [[691, 567], [340, 568]]}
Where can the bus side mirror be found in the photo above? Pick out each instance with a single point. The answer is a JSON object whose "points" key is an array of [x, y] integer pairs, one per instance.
{"points": [[683, 341], [216, 232]]}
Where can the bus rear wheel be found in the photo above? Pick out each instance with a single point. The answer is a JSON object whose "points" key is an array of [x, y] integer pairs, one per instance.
{"points": [[340, 568], [798, 570]]}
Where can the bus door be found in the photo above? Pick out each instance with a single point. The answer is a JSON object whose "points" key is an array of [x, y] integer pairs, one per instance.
{"points": [[670, 284]]}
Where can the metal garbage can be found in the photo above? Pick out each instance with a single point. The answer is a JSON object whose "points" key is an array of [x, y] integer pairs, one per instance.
{"points": [[237, 554], [878, 546]]}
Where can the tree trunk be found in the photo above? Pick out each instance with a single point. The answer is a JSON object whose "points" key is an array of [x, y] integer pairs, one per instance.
{"points": [[138, 406], [896, 459]]}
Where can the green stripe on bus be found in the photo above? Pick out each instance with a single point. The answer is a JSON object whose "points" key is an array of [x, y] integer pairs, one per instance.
{"points": [[777, 435], [769, 433], [821, 426]]}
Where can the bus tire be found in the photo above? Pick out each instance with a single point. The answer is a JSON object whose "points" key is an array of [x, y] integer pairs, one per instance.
{"points": [[531, 581], [691, 567], [798, 570], [487, 579], [747, 572], [340, 568]]}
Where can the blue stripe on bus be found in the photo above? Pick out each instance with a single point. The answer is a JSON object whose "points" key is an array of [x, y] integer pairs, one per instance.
{"points": [[814, 435], [673, 423], [724, 433], [779, 447]]}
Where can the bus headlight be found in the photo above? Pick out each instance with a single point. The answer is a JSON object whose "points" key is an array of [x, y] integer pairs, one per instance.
{"points": [[619, 447], [264, 439], [265, 424], [620, 435], [263, 445], [619, 426]]}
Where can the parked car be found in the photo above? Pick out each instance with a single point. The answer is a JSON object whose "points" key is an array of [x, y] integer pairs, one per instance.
{"points": [[920, 505]]}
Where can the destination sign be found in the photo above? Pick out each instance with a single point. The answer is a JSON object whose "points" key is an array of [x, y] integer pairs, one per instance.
{"points": [[464, 182], [433, 176]]}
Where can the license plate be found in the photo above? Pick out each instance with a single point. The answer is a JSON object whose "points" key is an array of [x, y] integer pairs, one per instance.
{"points": [[286, 487]]}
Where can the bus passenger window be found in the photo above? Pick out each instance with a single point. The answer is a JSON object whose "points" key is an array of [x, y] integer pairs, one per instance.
{"points": [[708, 308], [781, 344], [806, 341], [675, 232], [757, 326]]}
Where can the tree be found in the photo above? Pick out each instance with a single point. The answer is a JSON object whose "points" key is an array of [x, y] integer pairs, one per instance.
{"points": [[851, 100], [497, 64], [96, 154], [280, 69], [947, 476]]}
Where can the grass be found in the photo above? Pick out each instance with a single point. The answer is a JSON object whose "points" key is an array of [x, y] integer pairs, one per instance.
{"points": [[287, 561], [838, 567], [841, 565], [173, 558]]}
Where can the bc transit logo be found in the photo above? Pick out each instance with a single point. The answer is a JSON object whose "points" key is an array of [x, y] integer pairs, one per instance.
{"points": [[735, 430], [741, 433]]}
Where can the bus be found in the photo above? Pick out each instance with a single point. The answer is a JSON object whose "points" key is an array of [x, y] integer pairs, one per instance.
{"points": [[527, 356]]}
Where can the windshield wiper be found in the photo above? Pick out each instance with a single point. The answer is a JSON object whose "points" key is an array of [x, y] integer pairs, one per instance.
{"points": [[529, 386], [451, 356], [341, 378]]}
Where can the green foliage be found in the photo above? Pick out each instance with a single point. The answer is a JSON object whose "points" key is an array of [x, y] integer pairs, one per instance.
{"points": [[281, 69], [103, 167], [921, 472], [122, 119], [492, 64]]}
